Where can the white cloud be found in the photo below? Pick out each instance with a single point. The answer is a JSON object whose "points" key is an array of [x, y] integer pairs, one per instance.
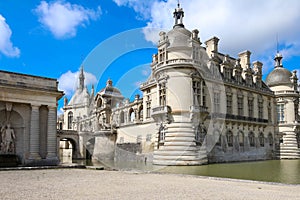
{"points": [[63, 18], [142, 7], [6, 46], [68, 82], [240, 25]]}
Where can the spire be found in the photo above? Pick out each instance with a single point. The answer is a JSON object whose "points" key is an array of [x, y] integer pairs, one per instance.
{"points": [[178, 15], [278, 57], [81, 79]]}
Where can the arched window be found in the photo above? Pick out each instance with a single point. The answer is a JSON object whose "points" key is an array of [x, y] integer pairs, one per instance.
{"points": [[270, 138], [122, 117], [70, 120], [229, 137], [131, 115], [99, 103], [261, 139], [200, 135], [241, 138], [251, 139]]}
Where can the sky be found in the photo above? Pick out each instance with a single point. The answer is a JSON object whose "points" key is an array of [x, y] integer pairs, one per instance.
{"points": [[116, 38]]}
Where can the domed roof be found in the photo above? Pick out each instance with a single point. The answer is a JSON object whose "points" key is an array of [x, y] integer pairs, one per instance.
{"points": [[279, 76], [110, 91], [179, 36]]}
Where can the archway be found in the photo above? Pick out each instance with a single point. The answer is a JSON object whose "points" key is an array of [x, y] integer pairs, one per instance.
{"points": [[67, 150]]}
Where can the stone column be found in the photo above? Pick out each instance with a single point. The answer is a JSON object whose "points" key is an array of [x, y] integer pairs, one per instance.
{"points": [[51, 134], [34, 147]]}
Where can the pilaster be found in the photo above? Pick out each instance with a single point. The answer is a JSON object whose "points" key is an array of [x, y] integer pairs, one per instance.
{"points": [[51, 133], [34, 147]]}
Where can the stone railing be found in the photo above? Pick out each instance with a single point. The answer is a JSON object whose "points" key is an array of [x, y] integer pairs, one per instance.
{"points": [[285, 92], [195, 108]]}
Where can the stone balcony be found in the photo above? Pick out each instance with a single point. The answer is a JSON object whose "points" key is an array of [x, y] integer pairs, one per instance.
{"points": [[161, 113], [198, 113]]}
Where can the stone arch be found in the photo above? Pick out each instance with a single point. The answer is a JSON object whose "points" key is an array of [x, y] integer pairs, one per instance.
{"points": [[131, 115], [140, 113], [70, 143]]}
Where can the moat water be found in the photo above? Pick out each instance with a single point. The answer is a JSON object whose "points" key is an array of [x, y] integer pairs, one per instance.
{"points": [[280, 171]]}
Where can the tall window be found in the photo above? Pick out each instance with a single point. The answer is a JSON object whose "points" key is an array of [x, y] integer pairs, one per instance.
{"points": [[280, 113], [148, 104], [70, 120], [261, 139], [240, 101], [260, 108], [270, 138], [216, 102], [241, 138], [251, 139], [250, 107], [203, 94], [197, 92], [161, 135], [162, 94], [229, 137], [229, 103]]}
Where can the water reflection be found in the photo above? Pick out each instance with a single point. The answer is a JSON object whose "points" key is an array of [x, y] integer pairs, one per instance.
{"points": [[281, 171]]}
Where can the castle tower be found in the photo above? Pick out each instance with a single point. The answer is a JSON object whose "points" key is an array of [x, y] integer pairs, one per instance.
{"points": [[179, 98], [282, 82]]}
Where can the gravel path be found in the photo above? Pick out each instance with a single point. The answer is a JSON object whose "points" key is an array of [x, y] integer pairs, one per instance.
{"points": [[94, 184]]}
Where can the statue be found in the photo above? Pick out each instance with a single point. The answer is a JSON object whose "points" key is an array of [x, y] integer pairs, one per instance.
{"points": [[8, 139]]}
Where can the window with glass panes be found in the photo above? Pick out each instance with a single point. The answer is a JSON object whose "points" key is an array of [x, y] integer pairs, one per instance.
{"points": [[162, 94]]}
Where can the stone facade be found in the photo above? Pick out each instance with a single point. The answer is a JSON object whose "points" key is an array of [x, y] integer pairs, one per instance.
{"points": [[200, 106], [28, 106]]}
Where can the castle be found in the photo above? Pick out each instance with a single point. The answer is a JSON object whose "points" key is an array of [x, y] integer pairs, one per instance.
{"points": [[198, 106]]}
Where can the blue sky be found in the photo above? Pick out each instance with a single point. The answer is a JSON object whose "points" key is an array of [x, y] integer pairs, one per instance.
{"points": [[116, 38]]}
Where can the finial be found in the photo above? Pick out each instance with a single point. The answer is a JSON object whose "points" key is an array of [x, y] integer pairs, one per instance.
{"points": [[178, 15]]}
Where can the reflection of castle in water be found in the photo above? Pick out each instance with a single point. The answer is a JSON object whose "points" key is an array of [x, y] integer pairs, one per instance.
{"points": [[198, 106]]}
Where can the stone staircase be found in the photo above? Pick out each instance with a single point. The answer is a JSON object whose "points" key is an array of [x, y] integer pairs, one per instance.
{"points": [[289, 148]]}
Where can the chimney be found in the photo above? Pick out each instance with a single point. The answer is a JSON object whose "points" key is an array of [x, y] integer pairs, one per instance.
{"points": [[212, 46], [245, 59]]}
